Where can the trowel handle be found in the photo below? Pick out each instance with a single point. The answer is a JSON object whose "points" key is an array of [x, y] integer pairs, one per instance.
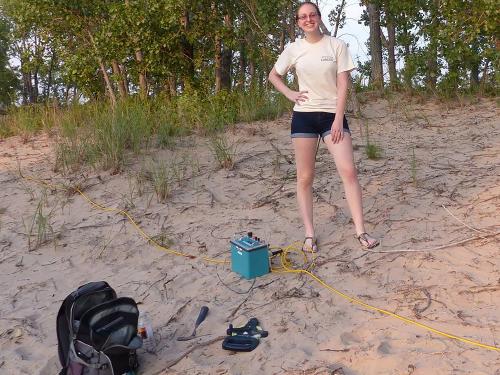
{"points": [[202, 315]]}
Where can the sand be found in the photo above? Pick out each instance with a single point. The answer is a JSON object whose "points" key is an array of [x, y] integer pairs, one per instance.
{"points": [[435, 191]]}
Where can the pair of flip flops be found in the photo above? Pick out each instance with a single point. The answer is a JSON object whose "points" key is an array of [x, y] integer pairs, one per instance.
{"points": [[363, 238]]}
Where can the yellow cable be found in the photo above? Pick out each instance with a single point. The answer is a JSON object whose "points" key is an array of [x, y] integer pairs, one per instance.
{"points": [[286, 267]]}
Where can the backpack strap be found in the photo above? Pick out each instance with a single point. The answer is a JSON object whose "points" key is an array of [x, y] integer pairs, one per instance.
{"points": [[63, 333]]}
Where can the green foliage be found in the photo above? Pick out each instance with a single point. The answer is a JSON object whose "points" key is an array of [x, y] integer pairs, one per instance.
{"points": [[116, 131], [168, 126], [28, 120], [97, 135], [222, 111], [70, 45], [159, 174], [373, 151], [40, 226], [447, 46], [222, 151], [9, 83], [74, 44], [255, 105]]}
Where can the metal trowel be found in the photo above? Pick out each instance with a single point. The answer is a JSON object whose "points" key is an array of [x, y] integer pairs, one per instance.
{"points": [[201, 317]]}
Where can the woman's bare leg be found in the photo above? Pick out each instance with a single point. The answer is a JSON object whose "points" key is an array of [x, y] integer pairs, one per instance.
{"points": [[344, 160], [305, 157]]}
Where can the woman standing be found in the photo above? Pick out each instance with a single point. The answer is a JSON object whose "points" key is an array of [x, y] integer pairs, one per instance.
{"points": [[323, 66]]}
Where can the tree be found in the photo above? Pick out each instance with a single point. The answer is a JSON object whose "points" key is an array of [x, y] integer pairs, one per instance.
{"points": [[337, 17], [377, 77], [9, 82]]}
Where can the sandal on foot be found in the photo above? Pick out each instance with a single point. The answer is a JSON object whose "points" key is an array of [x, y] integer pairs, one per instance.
{"points": [[313, 248], [364, 240]]}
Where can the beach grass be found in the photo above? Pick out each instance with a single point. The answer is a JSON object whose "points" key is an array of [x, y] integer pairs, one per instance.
{"points": [[98, 135]]}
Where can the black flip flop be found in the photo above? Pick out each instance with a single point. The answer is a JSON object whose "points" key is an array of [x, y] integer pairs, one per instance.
{"points": [[240, 343]]}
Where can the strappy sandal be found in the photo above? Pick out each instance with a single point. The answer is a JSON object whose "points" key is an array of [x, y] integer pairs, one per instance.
{"points": [[313, 248], [365, 242]]}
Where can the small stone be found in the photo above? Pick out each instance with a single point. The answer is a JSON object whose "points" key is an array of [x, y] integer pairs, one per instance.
{"points": [[348, 338], [384, 348]]}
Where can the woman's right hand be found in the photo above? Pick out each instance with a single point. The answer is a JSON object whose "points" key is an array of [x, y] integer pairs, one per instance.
{"points": [[297, 96]]}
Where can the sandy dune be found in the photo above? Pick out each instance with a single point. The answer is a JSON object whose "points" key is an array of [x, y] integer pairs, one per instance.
{"points": [[436, 186]]}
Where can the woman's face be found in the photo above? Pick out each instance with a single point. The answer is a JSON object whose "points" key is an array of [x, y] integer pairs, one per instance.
{"points": [[308, 18]]}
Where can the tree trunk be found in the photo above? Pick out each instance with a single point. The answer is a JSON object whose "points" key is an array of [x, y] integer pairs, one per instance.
{"points": [[261, 79], [339, 15], [391, 46], [143, 82], [283, 35], [432, 64], [474, 65], [26, 88], [249, 42], [226, 59], [484, 77], [291, 27], [46, 93], [377, 74], [406, 47], [251, 73], [242, 65], [109, 87], [122, 88], [474, 76], [171, 87], [432, 67], [66, 94], [187, 48], [105, 75], [124, 73], [36, 68], [35, 86], [218, 63], [76, 96]]}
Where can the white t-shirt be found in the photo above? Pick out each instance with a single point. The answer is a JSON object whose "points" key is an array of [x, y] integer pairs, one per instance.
{"points": [[317, 65]]}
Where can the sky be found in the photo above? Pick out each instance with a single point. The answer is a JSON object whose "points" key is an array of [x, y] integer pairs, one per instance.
{"points": [[354, 34]]}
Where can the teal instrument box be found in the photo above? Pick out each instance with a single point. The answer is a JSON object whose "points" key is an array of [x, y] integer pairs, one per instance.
{"points": [[249, 257]]}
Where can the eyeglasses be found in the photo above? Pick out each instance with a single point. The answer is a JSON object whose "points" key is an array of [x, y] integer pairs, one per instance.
{"points": [[303, 17]]}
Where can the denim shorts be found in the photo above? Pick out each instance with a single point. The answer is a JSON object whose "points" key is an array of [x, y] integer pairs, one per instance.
{"points": [[314, 124]]}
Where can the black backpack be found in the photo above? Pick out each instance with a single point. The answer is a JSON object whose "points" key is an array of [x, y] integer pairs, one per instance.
{"points": [[97, 332]]}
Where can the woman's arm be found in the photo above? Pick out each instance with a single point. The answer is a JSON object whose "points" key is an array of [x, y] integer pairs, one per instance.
{"points": [[295, 96], [342, 86], [338, 123]]}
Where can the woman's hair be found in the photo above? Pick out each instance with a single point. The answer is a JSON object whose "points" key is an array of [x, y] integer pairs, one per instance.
{"points": [[304, 3]]}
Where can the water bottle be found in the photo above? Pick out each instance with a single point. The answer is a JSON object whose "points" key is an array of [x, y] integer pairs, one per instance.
{"points": [[145, 330]]}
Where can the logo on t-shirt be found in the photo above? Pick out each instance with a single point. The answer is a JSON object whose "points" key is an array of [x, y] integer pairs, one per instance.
{"points": [[327, 58]]}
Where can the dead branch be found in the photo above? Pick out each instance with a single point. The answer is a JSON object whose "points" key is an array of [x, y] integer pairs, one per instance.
{"points": [[419, 310], [173, 362]]}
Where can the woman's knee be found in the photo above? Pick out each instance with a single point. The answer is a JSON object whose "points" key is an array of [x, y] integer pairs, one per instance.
{"points": [[348, 174], [305, 179]]}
